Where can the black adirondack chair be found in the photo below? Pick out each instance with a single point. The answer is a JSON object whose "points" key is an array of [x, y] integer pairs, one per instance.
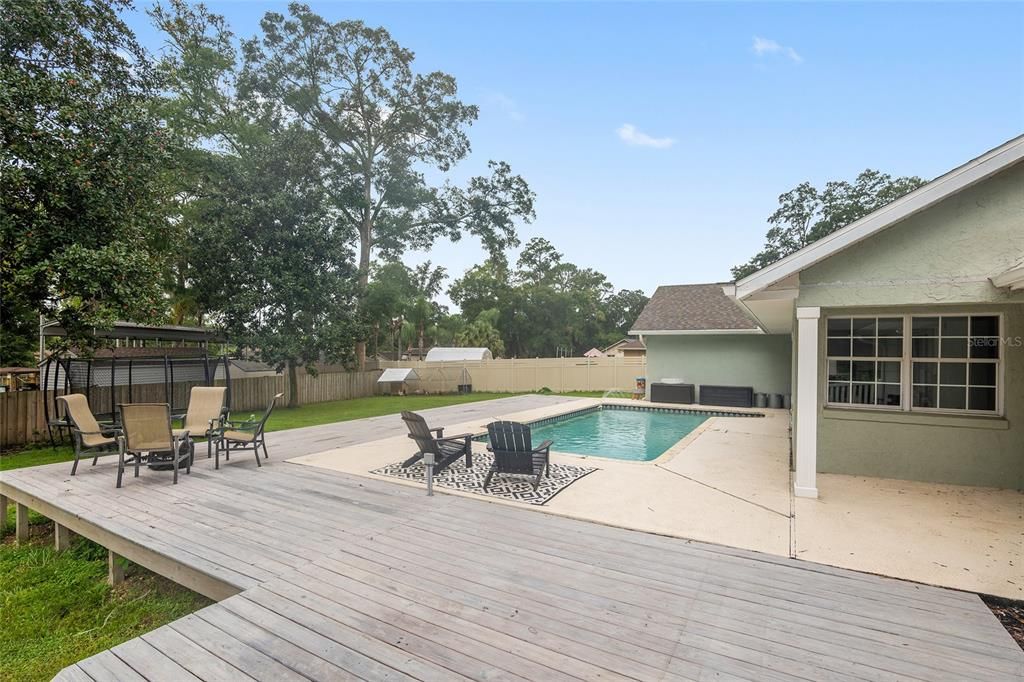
{"points": [[445, 450], [514, 454]]}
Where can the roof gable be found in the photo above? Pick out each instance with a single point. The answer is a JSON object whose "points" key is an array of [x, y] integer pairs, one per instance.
{"points": [[943, 187]]}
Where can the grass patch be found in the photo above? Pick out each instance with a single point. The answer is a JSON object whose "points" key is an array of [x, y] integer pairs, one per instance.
{"points": [[58, 608], [35, 455], [361, 408]]}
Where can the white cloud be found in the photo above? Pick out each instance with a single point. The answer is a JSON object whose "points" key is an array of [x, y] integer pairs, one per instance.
{"points": [[765, 46], [629, 134], [507, 105]]}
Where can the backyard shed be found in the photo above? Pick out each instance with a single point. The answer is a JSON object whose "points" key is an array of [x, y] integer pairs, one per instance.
{"points": [[398, 379]]}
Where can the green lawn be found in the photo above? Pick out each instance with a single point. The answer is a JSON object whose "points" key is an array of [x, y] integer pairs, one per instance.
{"points": [[58, 609], [34, 456], [360, 408]]}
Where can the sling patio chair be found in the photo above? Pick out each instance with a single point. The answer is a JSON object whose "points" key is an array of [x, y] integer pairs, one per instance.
{"points": [[445, 450], [241, 435], [146, 433], [510, 443], [204, 417], [88, 435]]}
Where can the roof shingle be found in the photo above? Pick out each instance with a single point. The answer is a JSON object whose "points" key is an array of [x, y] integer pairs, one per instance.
{"points": [[692, 307]]}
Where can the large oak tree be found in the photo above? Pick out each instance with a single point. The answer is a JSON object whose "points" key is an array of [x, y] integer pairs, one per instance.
{"points": [[385, 127]]}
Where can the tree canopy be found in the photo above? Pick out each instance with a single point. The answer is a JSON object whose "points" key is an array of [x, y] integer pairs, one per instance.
{"points": [[806, 214], [85, 165], [264, 248], [546, 305]]}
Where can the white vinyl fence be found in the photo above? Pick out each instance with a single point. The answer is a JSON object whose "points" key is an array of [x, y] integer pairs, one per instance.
{"points": [[524, 375]]}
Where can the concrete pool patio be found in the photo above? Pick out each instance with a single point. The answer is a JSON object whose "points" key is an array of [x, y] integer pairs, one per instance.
{"points": [[729, 483]]}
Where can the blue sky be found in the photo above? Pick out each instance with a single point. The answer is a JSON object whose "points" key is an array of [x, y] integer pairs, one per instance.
{"points": [[658, 136]]}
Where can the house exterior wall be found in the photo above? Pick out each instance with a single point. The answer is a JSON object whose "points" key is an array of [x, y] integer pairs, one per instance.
{"points": [[937, 261], [758, 360], [942, 255]]}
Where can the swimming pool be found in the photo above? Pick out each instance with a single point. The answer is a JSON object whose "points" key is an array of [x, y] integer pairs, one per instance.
{"points": [[618, 432]]}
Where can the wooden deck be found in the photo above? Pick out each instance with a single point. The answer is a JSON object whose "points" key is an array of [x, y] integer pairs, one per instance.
{"points": [[323, 575]]}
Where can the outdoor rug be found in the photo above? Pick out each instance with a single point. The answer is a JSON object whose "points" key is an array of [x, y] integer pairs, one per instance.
{"points": [[517, 488]]}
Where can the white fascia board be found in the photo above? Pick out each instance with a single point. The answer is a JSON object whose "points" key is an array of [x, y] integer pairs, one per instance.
{"points": [[1012, 278], [694, 332], [924, 197]]}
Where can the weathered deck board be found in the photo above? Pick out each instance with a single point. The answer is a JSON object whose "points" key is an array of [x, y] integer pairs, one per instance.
{"points": [[341, 577]]}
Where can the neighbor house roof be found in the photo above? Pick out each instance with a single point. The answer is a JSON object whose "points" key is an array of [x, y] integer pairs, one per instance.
{"points": [[956, 180], [693, 309], [629, 344]]}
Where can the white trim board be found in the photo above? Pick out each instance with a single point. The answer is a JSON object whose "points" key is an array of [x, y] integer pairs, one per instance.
{"points": [[1012, 278], [956, 180]]}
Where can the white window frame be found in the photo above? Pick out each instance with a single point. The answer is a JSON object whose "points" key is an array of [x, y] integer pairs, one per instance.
{"points": [[906, 361]]}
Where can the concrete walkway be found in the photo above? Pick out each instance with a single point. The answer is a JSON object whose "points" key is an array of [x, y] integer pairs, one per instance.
{"points": [[729, 483]]}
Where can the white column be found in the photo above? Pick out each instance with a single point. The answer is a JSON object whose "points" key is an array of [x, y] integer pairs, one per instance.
{"points": [[806, 445]]}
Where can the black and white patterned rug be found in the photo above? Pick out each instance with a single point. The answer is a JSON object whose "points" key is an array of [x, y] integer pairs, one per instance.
{"points": [[517, 488]]}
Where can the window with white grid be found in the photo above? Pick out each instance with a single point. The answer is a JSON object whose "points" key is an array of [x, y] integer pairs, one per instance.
{"points": [[948, 363]]}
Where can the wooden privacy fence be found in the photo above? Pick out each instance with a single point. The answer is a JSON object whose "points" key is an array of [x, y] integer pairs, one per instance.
{"points": [[524, 375], [255, 393], [23, 419]]}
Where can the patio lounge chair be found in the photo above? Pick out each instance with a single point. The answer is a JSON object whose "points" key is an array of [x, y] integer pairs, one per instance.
{"points": [[241, 435], [87, 434], [514, 454], [204, 417], [445, 450], [147, 433]]}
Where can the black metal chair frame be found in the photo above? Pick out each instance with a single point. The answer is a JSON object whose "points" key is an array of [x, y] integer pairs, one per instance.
{"points": [[510, 443], [254, 426], [107, 429], [446, 451]]}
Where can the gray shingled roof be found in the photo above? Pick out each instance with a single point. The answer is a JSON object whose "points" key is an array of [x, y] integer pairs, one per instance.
{"points": [[692, 307]]}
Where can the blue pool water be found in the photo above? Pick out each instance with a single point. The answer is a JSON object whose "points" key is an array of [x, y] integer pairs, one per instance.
{"points": [[638, 435]]}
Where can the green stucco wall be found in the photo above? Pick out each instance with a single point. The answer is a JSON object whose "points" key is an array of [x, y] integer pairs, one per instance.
{"points": [[937, 261], [758, 360]]}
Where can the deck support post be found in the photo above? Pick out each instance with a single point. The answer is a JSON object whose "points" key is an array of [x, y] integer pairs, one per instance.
{"points": [[115, 573], [61, 537], [805, 482], [21, 523]]}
